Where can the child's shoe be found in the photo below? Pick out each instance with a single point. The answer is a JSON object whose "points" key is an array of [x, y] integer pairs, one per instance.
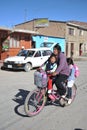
{"points": [[49, 91], [69, 101], [63, 96]]}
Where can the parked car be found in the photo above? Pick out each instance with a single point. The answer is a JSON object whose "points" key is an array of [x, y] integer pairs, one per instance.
{"points": [[27, 59]]}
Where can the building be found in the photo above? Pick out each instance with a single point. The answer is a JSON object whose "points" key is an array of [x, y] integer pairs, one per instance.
{"points": [[71, 35], [76, 38], [48, 41], [4, 33], [12, 40], [74, 32]]}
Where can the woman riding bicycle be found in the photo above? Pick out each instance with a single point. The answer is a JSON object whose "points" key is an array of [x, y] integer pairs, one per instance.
{"points": [[36, 99], [62, 72]]}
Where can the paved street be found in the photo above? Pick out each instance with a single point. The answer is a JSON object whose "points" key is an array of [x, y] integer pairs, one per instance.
{"points": [[19, 83]]}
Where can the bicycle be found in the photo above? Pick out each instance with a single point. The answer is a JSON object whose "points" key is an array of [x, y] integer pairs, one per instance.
{"points": [[37, 99]]}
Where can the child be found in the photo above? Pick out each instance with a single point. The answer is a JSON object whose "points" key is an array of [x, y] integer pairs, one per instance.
{"points": [[50, 66], [71, 79]]}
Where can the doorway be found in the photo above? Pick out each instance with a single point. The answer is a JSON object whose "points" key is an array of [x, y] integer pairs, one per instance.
{"points": [[80, 49], [72, 49], [33, 44]]}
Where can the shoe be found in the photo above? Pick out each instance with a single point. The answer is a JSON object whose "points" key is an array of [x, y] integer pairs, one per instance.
{"points": [[63, 96], [69, 101], [49, 91]]}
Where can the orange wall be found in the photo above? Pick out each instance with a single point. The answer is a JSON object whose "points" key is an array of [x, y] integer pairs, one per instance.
{"points": [[14, 51]]}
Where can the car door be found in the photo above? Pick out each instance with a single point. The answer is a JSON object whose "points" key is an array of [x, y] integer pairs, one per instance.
{"points": [[37, 60], [45, 55]]}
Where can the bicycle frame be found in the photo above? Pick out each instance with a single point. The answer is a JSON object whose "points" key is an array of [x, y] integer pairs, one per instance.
{"points": [[36, 100]]}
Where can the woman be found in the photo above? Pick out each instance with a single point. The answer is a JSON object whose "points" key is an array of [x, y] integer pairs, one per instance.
{"points": [[62, 72]]}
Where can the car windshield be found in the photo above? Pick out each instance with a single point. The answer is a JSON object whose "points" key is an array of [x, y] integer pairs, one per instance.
{"points": [[25, 53], [46, 44]]}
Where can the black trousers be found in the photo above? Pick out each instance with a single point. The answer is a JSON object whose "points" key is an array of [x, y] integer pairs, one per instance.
{"points": [[59, 82], [69, 95]]}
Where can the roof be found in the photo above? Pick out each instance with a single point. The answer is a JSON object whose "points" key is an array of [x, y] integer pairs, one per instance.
{"points": [[11, 30], [78, 24], [55, 28], [36, 19], [5, 29], [24, 31]]}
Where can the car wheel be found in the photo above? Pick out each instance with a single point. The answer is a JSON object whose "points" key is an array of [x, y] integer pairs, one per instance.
{"points": [[2, 68], [27, 67]]}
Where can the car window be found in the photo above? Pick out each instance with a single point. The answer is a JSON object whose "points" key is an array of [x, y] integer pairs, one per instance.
{"points": [[38, 54], [46, 44], [25, 53], [46, 53], [22, 53], [30, 53]]}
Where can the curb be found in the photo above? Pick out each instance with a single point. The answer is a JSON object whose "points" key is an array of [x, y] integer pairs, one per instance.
{"points": [[80, 59]]}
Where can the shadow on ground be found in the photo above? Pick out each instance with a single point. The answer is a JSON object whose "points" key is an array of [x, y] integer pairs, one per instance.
{"points": [[20, 99], [79, 129]]}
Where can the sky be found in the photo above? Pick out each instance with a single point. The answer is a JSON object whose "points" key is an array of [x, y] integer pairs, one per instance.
{"points": [[13, 12]]}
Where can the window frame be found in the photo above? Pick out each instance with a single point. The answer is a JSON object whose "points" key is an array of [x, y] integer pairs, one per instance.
{"points": [[71, 31]]}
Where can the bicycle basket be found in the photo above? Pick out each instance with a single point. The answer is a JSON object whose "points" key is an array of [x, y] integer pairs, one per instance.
{"points": [[40, 79]]}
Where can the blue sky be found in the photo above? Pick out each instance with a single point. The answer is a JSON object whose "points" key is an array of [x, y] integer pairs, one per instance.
{"points": [[14, 12]]}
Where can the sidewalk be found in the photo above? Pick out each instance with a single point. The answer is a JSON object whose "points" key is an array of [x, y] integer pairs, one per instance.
{"points": [[80, 58]]}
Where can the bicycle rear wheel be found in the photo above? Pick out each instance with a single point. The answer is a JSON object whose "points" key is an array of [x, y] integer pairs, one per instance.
{"points": [[35, 102], [64, 101], [74, 89]]}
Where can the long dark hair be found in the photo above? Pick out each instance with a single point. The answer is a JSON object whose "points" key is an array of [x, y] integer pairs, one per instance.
{"points": [[57, 46], [70, 61]]}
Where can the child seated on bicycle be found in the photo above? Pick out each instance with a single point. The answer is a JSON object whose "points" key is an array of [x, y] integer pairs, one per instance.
{"points": [[50, 66], [71, 79]]}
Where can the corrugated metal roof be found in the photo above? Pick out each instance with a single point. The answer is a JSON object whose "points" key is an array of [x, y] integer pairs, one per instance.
{"points": [[5, 28], [24, 31]]}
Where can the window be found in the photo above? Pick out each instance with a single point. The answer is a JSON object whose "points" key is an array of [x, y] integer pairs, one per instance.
{"points": [[14, 42], [27, 38], [80, 32], [46, 44], [11, 42], [71, 31]]}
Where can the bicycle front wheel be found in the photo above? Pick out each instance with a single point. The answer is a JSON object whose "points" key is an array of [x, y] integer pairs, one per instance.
{"points": [[34, 102]]}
